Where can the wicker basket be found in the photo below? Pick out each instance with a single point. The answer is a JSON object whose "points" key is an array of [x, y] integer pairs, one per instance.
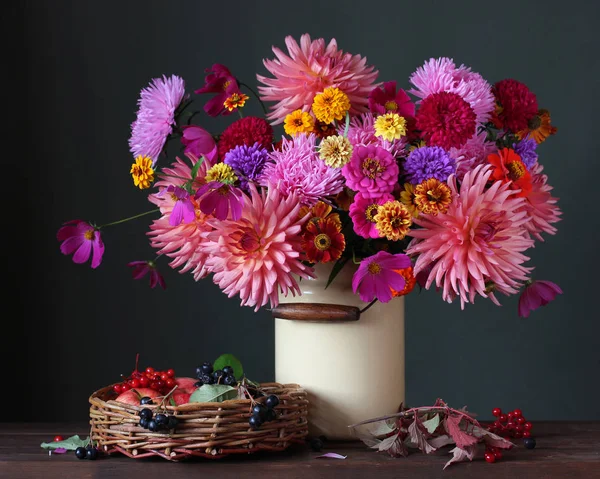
{"points": [[212, 430]]}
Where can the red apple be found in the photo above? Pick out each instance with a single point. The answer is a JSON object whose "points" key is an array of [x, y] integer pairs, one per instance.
{"points": [[133, 396], [181, 397], [186, 385]]}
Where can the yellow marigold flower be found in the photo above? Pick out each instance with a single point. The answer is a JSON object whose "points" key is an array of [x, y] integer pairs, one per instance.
{"points": [[236, 100], [142, 172], [330, 105], [407, 197], [432, 196], [221, 172], [298, 122], [390, 126], [539, 127], [335, 151], [393, 220]]}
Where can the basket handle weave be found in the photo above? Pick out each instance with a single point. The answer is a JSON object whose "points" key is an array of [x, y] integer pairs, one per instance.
{"points": [[316, 312]]}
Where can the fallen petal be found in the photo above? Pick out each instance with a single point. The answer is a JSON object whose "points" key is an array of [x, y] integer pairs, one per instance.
{"points": [[332, 455], [59, 450]]}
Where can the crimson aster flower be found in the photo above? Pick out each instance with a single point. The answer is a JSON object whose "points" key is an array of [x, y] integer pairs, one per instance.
{"points": [[81, 239]]}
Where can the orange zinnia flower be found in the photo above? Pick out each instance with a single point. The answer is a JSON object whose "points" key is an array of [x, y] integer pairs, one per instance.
{"points": [[409, 277], [539, 127], [509, 168], [320, 210], [323, 241]]}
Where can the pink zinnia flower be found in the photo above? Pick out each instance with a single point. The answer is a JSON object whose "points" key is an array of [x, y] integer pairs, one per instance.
{"points": [[219, 199], [298, 169], [376, 278], [142, 268], [371, 171], [220, 81], [541, 206], [361, 131], [386, 99], [473, 153], [183, 210], [183, 242], [259, 255], [363, 211], [156, 116], [441, 75], [477, 245], [81, 239], [199, 142], [537, 294], [309, 69]]}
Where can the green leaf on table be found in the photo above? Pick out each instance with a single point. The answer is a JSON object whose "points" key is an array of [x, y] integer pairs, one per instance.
{"points": [[70, 444], [432, 424], [337, 267], [213, 393], [229, 360]]}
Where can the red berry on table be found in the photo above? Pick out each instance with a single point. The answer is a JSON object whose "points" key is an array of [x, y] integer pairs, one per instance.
{"points": [[149, 370], [496, 412], [517, 413], [497, 454], [518, 434], [519, 428], [521, 420], [526, 434], [503, 418], [528, 426], [511, 415], [489, 457], [510, 425], [58, 438], [171, 373]]}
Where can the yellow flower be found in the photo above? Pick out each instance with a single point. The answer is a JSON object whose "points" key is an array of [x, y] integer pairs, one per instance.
{"points": [[330, 105], [419, 144], [539, 127], [407, 197], [142, 172], [236, 100], [433, 197], [335, 151], [298, 122], [390, 126], [221, 172], [393, 220]]}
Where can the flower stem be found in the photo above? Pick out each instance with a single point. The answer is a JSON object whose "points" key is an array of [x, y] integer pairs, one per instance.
{"points": [[128, 219], [256, 95], [368, 306]]}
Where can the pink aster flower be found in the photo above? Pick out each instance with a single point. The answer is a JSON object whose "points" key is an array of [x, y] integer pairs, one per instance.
{"points": [[375, 277], [183, 209], [142, 268], [371, 171], [537, 294], [81, 239], [473, 153], [441, 75], [361, 131], [184, 242], [199, 142], [298, 169], [363, 211], [156, 116], [386, 99], [258, 255], [477, 246], [308, 69], [220, 81], [541, 206], [219, 199]]}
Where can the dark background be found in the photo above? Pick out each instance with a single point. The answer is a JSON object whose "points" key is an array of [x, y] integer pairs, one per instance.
{"points": [[78, 69]]}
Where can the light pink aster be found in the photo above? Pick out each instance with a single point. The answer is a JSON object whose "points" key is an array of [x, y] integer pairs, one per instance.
{"points": [[441, 75], [298, 169], [258, 255], [156, 116], [309, 68], [361, 131], [371, 171], [473, 153], [183, 242], [541, 206], [477, 246]]}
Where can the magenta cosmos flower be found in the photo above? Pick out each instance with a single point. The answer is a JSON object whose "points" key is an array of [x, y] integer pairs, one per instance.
{"points": [[199, 142], [537, 294], [183, 209], [142, 268], [372, 171], [220, 81], [363, 211], [386, 99], [375, 277], [218, 199], [81, 239]]}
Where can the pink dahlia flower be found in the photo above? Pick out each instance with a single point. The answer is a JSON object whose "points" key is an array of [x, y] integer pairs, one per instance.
{"points": [[363, 211], [142, 268], [537, 294], [183, 242], [298, 169], [372, 171], [386, 99], [473, 153], [259, 255], [81, 239], [308, 69], [441, 75], [477, 245], [361, 131], [541, 206], [156, 116], [220, 81], [199, 142], [376, 276]]}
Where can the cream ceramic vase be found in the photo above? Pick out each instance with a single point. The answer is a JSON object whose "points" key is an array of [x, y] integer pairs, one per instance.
{"points": [[351, 370]]}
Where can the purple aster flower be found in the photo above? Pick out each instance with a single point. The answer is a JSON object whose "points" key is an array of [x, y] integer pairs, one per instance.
{"points": [[183, 209], [156, 116], [371, 171], [428, 162], [218, 199], [247, 162], [141, 268], [526, 149]]}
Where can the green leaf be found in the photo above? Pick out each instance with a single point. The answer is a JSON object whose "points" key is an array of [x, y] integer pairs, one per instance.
{"points": [[432, 424], [172, 401], [337, 267], [229, 360], [213, 393], [69, 444], [196, 167]]}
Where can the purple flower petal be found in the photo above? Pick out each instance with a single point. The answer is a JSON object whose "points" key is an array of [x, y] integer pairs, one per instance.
{"points": [[98, 250], [331, 455], [83, 252], [59, 450]]}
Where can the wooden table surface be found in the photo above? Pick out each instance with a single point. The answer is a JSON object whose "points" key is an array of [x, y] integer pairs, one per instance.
{"points": [[564, 450]]}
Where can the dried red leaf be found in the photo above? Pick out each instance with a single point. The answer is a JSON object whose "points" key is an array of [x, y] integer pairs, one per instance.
{"points": [[461, 438]]}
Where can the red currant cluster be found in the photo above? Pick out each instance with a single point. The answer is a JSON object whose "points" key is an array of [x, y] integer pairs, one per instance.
{"points": [[512, 424], [161, 381], [492, 454]]}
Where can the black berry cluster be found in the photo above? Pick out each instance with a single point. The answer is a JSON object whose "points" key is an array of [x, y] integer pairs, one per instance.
{"points": [[88, 452], [157, 422], [262, 413], [206, 375]]}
